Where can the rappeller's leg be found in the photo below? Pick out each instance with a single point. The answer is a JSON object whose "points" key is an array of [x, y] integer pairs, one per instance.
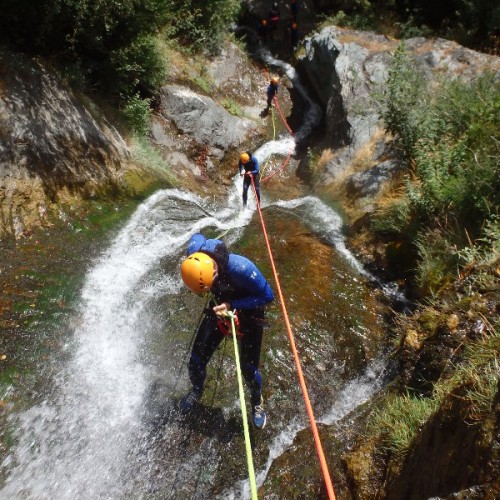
{"points": [[251, 344], [208, 338], [257, 185], [246, 184]]}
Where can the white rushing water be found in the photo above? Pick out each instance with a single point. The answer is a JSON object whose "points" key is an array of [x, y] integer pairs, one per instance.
{"points": [[76, 443], [352, 395]]}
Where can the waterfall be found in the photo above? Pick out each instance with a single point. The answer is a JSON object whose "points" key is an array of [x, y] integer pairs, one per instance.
{"points": [[76, 443]]}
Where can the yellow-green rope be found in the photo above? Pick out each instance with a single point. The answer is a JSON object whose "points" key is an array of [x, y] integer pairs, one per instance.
{"points": [[251, 471]]}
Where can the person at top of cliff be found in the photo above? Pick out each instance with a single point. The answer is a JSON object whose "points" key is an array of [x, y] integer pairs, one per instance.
{"points": [[274, 16], [248, 167], [272, 90], [236, 284]]}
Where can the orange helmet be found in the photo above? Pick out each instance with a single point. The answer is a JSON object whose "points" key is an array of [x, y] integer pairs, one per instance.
{"points": [[244, 158], [264, 22], [275, 79], [197, 272]]}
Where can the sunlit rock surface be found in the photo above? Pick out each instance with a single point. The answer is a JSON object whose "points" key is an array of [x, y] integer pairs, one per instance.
{"points": [[49, 143], [348, 68]]}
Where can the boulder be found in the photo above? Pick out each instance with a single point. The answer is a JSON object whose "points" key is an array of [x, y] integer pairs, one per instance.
{"points": [[203, 119], [369, 182]]}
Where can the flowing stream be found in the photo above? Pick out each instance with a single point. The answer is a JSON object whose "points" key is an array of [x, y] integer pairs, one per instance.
{"points": [[107, 425]]}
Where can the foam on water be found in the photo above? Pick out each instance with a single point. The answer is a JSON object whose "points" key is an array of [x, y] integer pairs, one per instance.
{"points": [[75, 444]]}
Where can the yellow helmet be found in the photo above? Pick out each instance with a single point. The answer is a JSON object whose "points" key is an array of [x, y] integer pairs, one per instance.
{"points": [[275, 79], [244, 158], [197, 272]]}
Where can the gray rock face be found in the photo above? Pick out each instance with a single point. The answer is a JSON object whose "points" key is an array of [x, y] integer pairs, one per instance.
{"points": [[344, 68], [369, 182], [202, 118], [45, 130], [228, 72], [347, 67], [48, 142]]}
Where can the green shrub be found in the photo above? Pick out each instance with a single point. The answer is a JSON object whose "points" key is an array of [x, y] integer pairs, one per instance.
{"points": [[355, 20], [437, 262], [394, 219], [404, 100], [450, 136], [137, 113], [475, 381], [483, 255], [138, 66], [203, 83], [412, 27], [232, 107], [203, 24], [106, 44]]}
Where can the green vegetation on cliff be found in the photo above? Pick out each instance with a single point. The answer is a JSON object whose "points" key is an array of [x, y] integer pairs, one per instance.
{"points": [[443, 223], [116, 45], [450, 135], [473, 23]]}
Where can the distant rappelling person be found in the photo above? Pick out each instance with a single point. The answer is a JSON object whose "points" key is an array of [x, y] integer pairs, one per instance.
{"points": [[274, 17], [263, 31], [236, 284], [272, 90], [249, 169]]}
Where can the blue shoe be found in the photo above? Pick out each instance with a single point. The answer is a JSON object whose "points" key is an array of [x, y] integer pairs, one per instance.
{"points": [[258, 416], [189, 401]]}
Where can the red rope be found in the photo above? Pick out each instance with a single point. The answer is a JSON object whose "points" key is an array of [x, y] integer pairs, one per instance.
{"points": [[282, 117], [312, 420], [278, 170]]}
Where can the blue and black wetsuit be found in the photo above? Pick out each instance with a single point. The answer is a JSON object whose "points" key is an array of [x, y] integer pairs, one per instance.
{"points": [[272, 90], [251, 166], [274, 16], [240, 283]]}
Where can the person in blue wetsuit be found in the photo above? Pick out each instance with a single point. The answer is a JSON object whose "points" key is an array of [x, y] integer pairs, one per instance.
{"points": [[249, 168], [272, 90], [235, 284], [274, 16]]}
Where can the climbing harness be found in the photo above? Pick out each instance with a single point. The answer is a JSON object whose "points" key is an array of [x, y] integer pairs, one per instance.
{"points": [[248, 446], [225, 325]]}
